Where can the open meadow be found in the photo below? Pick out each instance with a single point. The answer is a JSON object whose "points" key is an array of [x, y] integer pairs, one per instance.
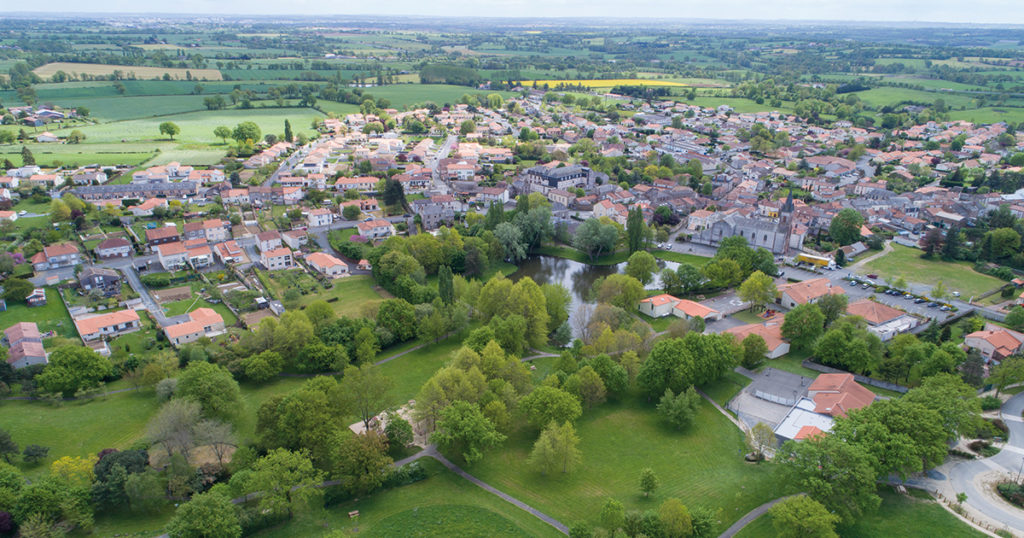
{"points": [[128, 71], [907, 262]]}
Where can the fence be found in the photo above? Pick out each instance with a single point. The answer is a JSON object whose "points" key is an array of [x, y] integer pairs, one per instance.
{"points": [[859, 378]]}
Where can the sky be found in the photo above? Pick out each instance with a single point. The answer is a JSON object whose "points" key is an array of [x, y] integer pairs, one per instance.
{"points": [[954, 11]]}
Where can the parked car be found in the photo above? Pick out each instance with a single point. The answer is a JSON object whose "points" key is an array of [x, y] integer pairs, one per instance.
{"points": [[956, 294], [22, 213], [872, 276], [919, 300], [945, 308], [854, 283], [932, 304], [866, 285], [908, 296]]}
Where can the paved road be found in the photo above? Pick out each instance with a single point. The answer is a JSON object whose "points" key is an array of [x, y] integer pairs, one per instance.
{"points": [[287, 165], [151, 305], [440, 185], [751, 516]]}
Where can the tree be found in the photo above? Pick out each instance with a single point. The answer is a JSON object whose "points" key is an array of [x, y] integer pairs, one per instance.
{"points": [[398, 432], [71, 368], [27, 159], [33, 454], [8, 448], [723, 273], [951, 246], [59, 211], [675, 519], [206, 515], [288, 136], [933, 241], [803, 325], [76, 137], [613, 515], [803, 517], [263, 367], [223, 132], [545, 405], [174, 426], [511, 239], [16, 290], [754, 350], [635, 230], [587, 386], [211, 386], [285, 481], [679, 410], [758, 289], [760, 439], [556, 449], [1007, 372], [246, 131], [170, 129], [1015, 319], [364, 390], [623, 291], [216, 435], [464, 428], [362, 461], [351, 212], [845, 226], [595, 238], [467, 127], [833, 306], [833, 472], [445, 285], [648, 481], [641, 266]]}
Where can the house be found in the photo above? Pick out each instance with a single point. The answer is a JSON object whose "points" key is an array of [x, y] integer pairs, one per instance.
{"points": [[230, 252], [268, 240], [319, 217], [687, 309], [327, 265], [278, 258], [115, 247], [140, 191], [295, 239], [770, 330], [658, 306], [8, 215], [198, 254], [376, 229], [172, 256], [203, 322], [89, 177], [806, 292], [47, 136], [828, 396], [995, 343], [145, 209], [364, 265], [162, 235], [107, 325], [99, 278], [361, 184], [26, 345], [885, 321], [56, 256]]}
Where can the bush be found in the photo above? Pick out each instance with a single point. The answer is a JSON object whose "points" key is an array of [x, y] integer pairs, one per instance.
{"points": [[979, 445], [989, 403], [156, 280], [1012, 492], [961, 454], [165, 389]]}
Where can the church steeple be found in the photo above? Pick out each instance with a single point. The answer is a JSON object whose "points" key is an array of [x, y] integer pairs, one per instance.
{"points": [[788, 206]]}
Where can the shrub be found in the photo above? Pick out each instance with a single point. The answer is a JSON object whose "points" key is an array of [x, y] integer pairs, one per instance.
{"points": [[165, 389], [989, 403], [1012, 492], [961, 454], [156, 280], [978, 446]]}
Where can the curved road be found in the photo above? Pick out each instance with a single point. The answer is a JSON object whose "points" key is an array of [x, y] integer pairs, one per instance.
{"points": [[751, 516]]}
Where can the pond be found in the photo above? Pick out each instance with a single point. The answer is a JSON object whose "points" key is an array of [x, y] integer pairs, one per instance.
{"points": [[577, 277]]}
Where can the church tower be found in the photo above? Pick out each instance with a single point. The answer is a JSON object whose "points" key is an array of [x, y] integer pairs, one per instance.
{"points": [[786, 221]]}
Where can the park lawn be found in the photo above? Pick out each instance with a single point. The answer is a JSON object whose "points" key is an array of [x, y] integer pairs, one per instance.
{"points": [[915, 514], [410, 372], [79, 428], [906, 262], [679, 257], [50, 317], [349, 296], [128, 523], [443, 505], [28, 223], [26, 204], [253, 395], [701, 466]]}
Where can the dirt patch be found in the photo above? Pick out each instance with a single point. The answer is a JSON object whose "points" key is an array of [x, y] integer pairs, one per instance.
{"points": [[172, 294], [252, 319], [197, 457]]}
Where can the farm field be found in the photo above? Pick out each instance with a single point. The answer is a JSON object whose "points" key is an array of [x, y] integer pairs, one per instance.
{"points": [[442, 505], [403, 95], [988, 114], [48, 70], [701, 466], [906, 262], [913, 515], [605, 83]]}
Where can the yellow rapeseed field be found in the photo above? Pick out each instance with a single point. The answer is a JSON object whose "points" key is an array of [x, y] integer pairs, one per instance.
{"points": [[606, 83]]}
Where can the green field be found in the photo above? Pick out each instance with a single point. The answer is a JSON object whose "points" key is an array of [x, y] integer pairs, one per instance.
{"points": [[403, 95], [443, 505], [353, 294], [988, 114], [701, 466], [906, 262], [913, 515], [50, 317]]}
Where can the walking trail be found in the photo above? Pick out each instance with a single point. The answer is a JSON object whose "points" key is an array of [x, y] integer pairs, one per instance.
{"points": [[751, 516]]}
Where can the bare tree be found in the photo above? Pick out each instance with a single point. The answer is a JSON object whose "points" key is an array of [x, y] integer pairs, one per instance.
{"points": [[218, 436], [581, 321], [760, 439], [174, 426]]}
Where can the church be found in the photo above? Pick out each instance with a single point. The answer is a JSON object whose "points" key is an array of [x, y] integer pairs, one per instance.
{"points": [[778, 236]]}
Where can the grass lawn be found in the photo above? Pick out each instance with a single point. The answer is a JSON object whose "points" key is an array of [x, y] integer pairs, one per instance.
{"points": [[442, 505], [906, 262], [79, 428], [746, 316], [701, 466], [658, 324], [409, 372], [679, 257], [791, 362], [50, 317], [915, 514], [127, 523], [726, 388], [184, 306], [351, 295]]}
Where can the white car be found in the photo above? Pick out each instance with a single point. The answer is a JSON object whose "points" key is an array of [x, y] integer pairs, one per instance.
{"points": [[22, 213]]}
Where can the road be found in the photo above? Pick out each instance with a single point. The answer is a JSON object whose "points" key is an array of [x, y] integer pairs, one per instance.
{"points": [[965, 476], [439, 184], [287, 165]]}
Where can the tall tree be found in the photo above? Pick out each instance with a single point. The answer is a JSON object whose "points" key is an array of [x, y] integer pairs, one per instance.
{"points": [[679, 410], [364, 390], [288, 136], [206, 515], [803, 517], [833, 472], [170, 129], [211, 386], [845, 226], [445, 285], [635, 229], [933, 241], [464, 429], [73, 367], [361, 461], [641, 265], [758, 290], [556, 450], [833, 306], [27, 159], [803, 325]]}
